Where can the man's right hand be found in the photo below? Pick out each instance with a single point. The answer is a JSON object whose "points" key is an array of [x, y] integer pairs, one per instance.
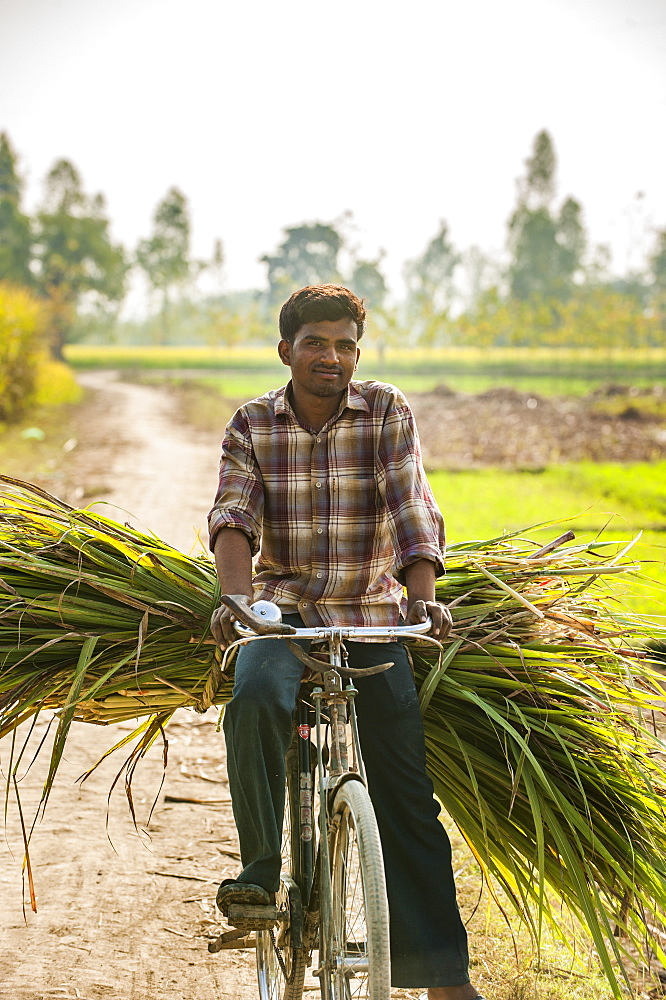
{"points": [[222, 623]]}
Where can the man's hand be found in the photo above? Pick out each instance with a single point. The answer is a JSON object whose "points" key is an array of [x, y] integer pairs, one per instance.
{"points": [[222, 623], [233, 561], [439, 615], [420, 582]]}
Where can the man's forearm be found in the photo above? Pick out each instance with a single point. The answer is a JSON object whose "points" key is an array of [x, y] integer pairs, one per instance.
{"points": [[233, 561], [420, 579]]}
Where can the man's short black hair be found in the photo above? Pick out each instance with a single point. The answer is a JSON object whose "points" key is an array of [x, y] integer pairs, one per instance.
{"points": [[320, 302]]}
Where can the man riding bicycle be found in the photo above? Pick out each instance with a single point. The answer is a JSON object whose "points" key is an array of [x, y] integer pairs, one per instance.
{"points": [[323, 480]]}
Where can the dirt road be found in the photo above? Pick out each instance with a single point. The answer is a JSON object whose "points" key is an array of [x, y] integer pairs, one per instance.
{"points": [[123, 915], [137, 456]]}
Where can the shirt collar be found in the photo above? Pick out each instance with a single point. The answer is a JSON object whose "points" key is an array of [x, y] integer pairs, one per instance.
{"points": [[282, 404], [352, 400], [355, 399]]}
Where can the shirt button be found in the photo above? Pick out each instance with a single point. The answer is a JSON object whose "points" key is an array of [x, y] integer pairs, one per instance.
{"points": [[319, 576], [320, 531], [318, 485], [318, 440], [304, 604]]}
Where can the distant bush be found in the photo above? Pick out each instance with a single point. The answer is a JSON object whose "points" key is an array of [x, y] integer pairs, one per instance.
{"points": [[21, 350], [55, 384], [592, 318]]}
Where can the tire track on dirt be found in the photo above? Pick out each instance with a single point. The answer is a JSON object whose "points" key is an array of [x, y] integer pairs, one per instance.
{"points": [[156, 472]]}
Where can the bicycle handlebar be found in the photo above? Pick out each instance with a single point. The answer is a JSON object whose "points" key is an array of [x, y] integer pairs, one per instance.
{"points": [[360, 631], [263, 620], [251, 624]]}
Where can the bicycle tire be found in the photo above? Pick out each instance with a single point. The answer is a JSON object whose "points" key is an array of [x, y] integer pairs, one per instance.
{"points": [[356, 954], [280, 967]]}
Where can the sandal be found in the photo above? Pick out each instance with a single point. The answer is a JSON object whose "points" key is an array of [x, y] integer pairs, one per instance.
{"points": [[232, 892]]}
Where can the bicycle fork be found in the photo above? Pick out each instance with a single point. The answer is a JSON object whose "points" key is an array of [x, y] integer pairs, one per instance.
{"points": [[336, 701]]}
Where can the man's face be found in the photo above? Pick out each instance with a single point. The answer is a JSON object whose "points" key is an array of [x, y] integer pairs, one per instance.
{"points": [[323, 357]]}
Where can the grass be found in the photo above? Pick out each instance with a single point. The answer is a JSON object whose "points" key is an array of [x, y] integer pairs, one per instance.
{"points": [[504, 962], [249, 372], [36, 442], [39, 444], [631, 497]]}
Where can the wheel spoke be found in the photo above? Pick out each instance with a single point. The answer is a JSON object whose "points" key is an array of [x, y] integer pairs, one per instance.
{"points": [[357, 966], [280, 968]]}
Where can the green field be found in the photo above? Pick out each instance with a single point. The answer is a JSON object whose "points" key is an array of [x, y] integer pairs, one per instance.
{"points": [[243, 372], [619, 500]]}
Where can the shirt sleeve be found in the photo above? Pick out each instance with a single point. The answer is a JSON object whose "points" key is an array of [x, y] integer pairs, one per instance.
{"points": [[415, 521], [239, 501]]}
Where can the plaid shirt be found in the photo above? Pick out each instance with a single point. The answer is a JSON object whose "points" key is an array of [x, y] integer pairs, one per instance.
{"points": [[335, 515]]}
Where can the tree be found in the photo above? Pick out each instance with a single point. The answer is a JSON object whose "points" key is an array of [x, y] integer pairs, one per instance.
{"points": [[165, 257], [430, 285], [308, 255], [383, 329], [658, 263], [539, 182], [535, 253], [546, 246], [431, 275], [480, 273], [368, 282], [216, 265], [658, 276], [15, 227], [571, 240], [76, 260]]}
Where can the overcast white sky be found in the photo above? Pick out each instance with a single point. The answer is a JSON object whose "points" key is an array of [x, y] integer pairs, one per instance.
{"points": [[268, 114]]}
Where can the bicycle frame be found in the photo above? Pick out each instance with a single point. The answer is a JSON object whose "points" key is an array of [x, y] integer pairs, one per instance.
{"points": [[311, 907]]}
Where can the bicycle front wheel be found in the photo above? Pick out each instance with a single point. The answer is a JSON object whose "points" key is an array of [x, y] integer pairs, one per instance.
{"points": [[355, 937]]}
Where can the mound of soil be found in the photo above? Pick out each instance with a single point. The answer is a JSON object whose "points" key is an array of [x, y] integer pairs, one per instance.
{"points": [[507, 427]]}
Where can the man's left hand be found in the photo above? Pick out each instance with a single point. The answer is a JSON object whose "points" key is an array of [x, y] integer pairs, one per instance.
{"points": [[439, 615]]}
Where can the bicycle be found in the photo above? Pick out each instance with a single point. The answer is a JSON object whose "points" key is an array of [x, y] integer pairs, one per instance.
{"points": [[332, 897]]}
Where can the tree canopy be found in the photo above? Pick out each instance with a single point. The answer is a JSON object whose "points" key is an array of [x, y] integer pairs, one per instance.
{"points": [[546, 246], [308, 255], [15, 227], [165, 256], [369, 283], [74, 255]]}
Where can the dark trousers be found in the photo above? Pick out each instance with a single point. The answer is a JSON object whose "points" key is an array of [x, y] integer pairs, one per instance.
{"points": [[428, 938]]}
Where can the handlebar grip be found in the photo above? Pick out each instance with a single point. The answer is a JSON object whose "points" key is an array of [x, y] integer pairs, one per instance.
{"points": [[259, 625]]}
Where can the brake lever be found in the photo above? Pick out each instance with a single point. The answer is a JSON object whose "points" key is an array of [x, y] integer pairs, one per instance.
{"points": [[259, 625]]}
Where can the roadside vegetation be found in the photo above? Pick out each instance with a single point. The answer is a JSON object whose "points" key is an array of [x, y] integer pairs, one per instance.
{"points": [[38, 394]]}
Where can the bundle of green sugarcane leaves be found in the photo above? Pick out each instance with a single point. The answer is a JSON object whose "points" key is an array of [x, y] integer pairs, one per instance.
{"points": [[539, 715]]}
